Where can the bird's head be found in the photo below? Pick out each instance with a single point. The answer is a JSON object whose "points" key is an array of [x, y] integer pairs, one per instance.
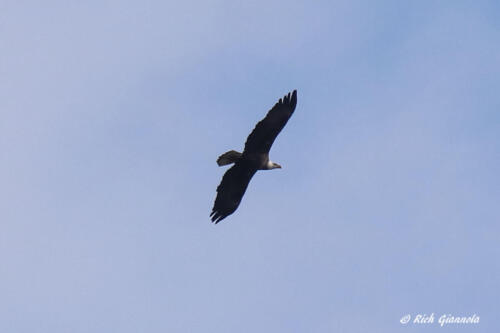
{"points": [[274, 166]]}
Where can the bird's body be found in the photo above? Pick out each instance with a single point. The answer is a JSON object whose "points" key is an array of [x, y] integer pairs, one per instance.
{"points": [[255, 157]]}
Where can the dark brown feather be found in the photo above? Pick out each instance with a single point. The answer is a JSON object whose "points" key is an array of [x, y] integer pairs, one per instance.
{"points": [[231, 190], [265, 132]]}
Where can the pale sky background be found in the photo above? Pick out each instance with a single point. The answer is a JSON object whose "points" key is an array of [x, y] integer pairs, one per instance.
{"points": [[112, 114]]}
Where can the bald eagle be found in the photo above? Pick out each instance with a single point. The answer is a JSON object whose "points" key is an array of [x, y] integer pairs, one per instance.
{"points": [[255, 157]]}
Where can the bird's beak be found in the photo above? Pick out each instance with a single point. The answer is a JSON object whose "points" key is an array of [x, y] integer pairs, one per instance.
{"points": [[278, 166]]}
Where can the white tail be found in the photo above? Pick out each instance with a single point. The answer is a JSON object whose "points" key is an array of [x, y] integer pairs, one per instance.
{"points": [[227, 158]]}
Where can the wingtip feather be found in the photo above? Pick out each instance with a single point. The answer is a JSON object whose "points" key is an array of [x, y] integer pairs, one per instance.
{"points": [[293, 100], [216, 217]]}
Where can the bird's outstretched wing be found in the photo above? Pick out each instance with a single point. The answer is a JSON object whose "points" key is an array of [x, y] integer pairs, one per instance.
{"points": [[265, 132], [231, 190]]}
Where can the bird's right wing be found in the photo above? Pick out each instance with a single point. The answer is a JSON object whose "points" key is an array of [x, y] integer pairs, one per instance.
{"points": [[265, 132], [231, 190]]}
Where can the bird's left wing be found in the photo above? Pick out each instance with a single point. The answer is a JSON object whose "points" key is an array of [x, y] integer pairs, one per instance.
{"points": [[231, 190], [265, 132]]}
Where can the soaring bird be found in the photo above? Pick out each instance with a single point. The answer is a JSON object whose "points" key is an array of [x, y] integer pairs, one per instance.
{"points": [[255, 157]]}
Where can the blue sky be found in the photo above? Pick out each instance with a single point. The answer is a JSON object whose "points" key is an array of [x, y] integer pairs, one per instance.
{"points": [[112, 114]]}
